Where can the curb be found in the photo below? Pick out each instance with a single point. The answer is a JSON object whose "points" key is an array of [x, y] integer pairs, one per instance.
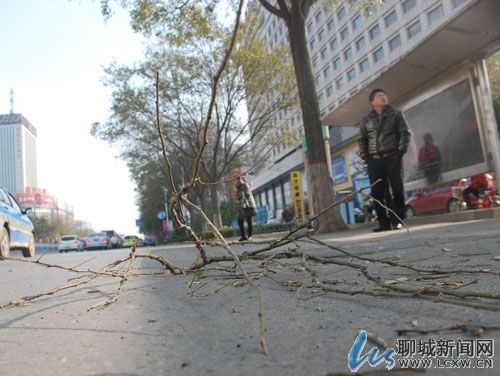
{"points": [[461, 216]]}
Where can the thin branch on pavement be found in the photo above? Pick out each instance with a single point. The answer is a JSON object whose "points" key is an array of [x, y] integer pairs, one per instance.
{"points": [[123, 279], [474, 330]]}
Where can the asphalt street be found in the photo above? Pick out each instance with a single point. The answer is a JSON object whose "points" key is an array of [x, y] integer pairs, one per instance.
{"points": [[158, 328]]}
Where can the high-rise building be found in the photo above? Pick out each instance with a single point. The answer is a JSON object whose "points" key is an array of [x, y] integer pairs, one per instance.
{"points": [[18, 160], [426, 54]]}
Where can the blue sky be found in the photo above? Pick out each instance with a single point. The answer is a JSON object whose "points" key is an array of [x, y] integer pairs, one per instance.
{"points": [[52, 55]]}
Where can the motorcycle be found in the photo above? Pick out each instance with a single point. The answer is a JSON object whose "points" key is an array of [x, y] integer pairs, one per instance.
{"points": [[486, 199]]}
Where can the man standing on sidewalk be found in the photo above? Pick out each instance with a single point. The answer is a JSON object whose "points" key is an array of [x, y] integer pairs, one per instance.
{"points": [[383, 140]]}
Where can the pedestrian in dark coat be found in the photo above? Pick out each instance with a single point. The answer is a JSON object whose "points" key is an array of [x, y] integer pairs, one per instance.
{"points": [[246, 207], [383, 140]]}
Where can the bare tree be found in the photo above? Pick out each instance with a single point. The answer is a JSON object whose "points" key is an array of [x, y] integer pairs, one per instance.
{"points": [[185, 85]]}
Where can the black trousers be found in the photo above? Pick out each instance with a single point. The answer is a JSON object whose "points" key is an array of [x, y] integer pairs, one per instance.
{"points": [[466, 193], [390, 170], [242, 226]]}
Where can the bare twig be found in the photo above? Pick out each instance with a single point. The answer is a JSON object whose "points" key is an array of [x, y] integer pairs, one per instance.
{"points": [[308, 223], [389, 209], [82, 281], [474, 330], [122, 283], [160, 133], [263, 329]]}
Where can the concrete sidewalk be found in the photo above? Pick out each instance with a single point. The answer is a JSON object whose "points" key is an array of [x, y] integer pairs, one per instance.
{"points": [[461, 216]]}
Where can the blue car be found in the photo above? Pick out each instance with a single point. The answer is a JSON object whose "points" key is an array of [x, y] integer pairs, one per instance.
{"points": [[16, 231]]}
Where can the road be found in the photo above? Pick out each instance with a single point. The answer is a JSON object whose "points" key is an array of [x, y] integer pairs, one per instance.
{"points": [[157, 328]]}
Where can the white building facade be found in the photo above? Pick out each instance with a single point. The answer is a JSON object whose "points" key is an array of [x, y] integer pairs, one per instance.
{"points": [[426, 54], [18, 154]]}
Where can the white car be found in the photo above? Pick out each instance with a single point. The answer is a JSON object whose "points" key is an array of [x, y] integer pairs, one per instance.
{"points": [[98, 240], [115, 239], [70, 243]]}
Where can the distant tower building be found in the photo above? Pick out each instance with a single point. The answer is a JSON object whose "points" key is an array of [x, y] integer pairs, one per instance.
{"points": [[18, 161]]}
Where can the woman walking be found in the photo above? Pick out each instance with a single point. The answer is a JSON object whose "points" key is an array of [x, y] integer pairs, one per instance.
{"points": [[246, 207]]}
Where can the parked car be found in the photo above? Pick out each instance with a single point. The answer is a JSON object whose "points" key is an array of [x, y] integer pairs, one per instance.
{"points": [[149, 240], [439, 199], [130, 240], [114, 238], [16, 230], [69, 243], [98, 240]]}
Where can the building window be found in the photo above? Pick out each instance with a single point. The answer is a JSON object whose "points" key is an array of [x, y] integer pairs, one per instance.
{"points": [[395, 42], [341, 13], [330, 24], [356, 22], [347, 53], [333, 44], [409, 5], [363, 65], [318, 17], [326, 71], [309, 27], [344, 33], [378, 54], [360, 43], [414, 29], [457, 3], [351, 74], [320, 97], [391, 18], [339, 83], [321, 35], [311, 44], [435, 14], [329, 91], [324, 53], [374, 31], [317, 79], [336, 63], [315, 62]]}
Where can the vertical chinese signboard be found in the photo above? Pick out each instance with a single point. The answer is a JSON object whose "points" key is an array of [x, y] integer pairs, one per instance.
{"points": [[297, 199]]}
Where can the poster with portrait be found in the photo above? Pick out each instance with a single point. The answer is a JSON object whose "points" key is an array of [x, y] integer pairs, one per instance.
{"points": [[444, 135]]}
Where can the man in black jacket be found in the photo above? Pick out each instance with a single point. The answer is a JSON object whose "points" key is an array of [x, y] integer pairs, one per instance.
{"points": [[383, 140]]}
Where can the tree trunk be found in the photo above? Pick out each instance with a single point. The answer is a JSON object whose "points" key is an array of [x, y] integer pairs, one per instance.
{"points": [[214, 196], [320, 187], [201, 196]]}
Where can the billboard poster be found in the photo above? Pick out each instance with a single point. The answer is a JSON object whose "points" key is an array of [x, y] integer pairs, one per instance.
{"points": [[297, 198], [444, 135], [37, 200]]}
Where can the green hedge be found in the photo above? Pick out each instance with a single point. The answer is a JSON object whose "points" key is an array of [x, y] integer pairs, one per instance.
{"points": [[265, 228], [227, 232]]}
